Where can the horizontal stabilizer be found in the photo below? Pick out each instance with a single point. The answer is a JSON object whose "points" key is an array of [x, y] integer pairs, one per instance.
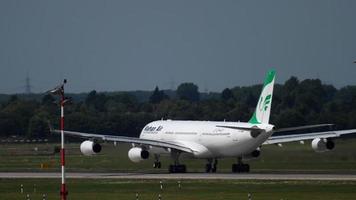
{"points": [[310, 136]]}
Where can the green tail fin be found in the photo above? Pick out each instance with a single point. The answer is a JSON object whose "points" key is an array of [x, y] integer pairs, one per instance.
{"points": [[263, 108]]}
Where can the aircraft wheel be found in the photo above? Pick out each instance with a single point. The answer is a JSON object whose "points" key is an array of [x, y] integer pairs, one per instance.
{"points": [[208, 168], [177, 169], [157, 165], [247, 168], [240, 168], [213, 169], [234, 168], [215, 166]]}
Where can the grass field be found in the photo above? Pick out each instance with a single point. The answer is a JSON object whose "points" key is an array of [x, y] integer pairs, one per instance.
{"points": [[191, 190], [290, 158]]}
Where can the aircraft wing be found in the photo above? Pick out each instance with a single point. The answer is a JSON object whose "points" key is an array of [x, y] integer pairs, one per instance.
{"points": [[138, 141], [309, 136]]}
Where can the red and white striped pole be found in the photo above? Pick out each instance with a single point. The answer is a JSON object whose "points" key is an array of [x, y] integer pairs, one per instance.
{"points": [[64, 191], [59, 90]]}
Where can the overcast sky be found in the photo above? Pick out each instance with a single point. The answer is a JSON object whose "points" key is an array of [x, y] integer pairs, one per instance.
{"points": [[136, 45]]}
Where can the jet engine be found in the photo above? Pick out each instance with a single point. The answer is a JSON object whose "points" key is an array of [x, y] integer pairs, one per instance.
{"points": [[90, 148], [253, 155], [322, 145], [137, 154]]}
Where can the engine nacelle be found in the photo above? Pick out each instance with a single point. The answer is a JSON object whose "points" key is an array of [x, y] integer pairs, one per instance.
{"points": [[90, 148], [322, 145], [253, 155], [137, 154]]}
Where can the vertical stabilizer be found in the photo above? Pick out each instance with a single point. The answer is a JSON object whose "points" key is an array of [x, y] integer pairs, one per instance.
{"points": [[263, 108]]}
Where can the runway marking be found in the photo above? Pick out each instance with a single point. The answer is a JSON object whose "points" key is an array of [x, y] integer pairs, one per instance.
{"points": [[187, 176]]}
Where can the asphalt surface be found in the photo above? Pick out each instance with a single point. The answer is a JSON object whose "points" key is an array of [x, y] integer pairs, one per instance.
{"points": [[211, 176]]}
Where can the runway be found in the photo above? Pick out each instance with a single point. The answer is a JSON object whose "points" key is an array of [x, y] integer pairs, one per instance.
{"points": [[186, 176]]}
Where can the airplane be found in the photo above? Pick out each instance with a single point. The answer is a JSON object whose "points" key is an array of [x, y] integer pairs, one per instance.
{"points": [[211, 140]]}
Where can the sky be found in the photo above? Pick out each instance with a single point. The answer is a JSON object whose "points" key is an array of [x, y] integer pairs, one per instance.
{"points": [[139, 44]]}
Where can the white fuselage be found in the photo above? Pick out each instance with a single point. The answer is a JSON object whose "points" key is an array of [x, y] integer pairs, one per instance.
{"points": [[208, 139]]}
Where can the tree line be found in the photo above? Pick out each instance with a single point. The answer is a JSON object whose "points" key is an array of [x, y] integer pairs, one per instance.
{"points": [[295, 103]]}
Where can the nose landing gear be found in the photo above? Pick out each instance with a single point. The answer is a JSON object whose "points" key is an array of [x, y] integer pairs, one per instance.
{"points": [[177, 168], [240, 167], [211, 166], [157, 163]]}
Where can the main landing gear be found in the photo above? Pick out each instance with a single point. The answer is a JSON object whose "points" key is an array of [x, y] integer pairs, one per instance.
{"points": [[240, 167], [177, 168], [210, 166]]}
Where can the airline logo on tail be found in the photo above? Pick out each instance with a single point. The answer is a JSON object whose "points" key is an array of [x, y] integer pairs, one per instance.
{"points": [[263, 109], [265, 104]]}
